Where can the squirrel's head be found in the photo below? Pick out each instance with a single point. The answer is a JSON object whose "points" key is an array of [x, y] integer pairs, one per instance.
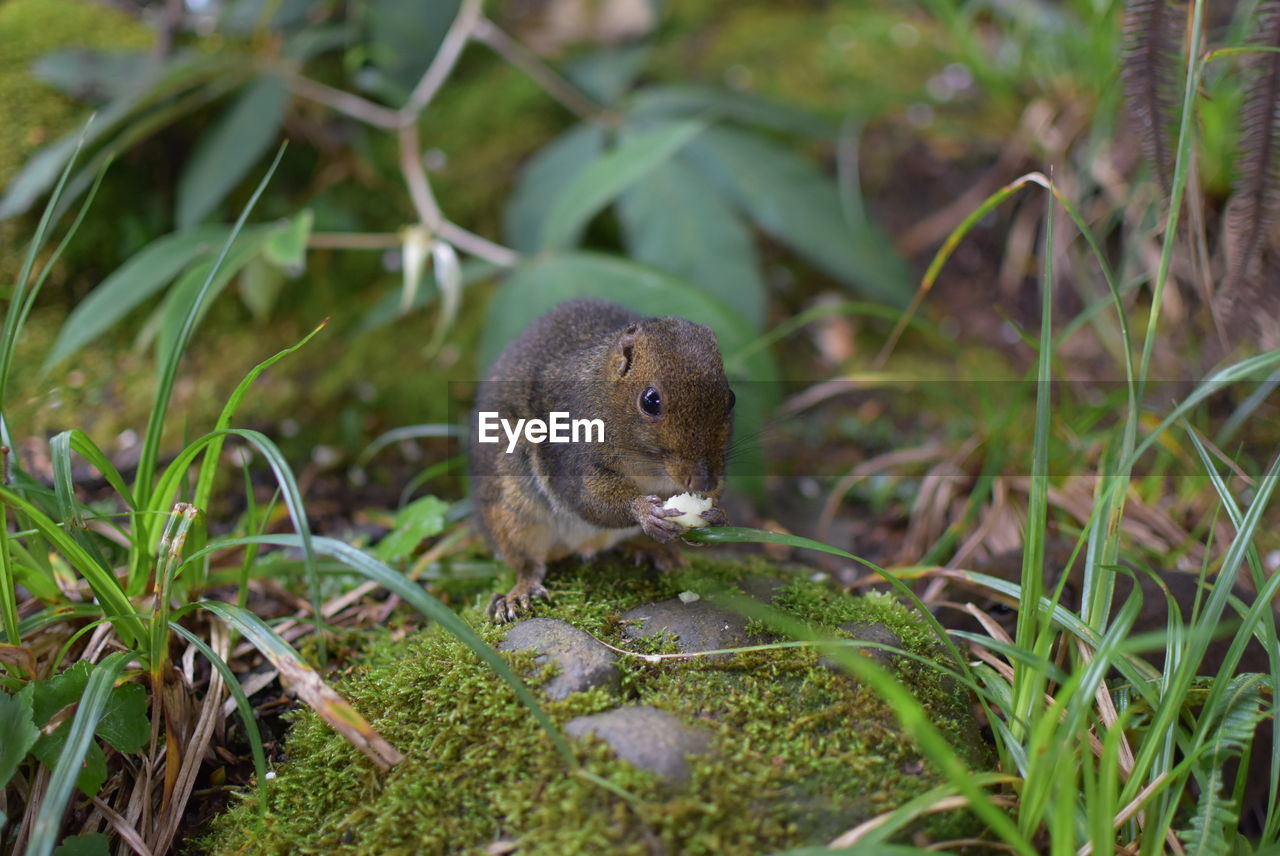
{"points": [[671, 404]]}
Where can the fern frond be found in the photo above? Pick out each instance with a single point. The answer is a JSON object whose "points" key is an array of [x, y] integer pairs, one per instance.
{"points": [[1235, 721], [1152, 71], [1255, 203]]}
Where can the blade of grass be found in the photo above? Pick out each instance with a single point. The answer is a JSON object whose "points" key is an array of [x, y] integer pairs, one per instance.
{"points": [[209, 467], [82, 445], [18, 299], [1032, 632], [172, 543], [169, 369], [1181, 174], [70, 511], [305, 682], [44, 833], [167, 486], [1264, 628], [105, 587], [8, 584], [1201, 634], [251, 730]]}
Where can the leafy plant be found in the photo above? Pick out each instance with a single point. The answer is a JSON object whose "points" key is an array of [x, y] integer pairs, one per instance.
{"points": [[688, 171], [115, 590]]}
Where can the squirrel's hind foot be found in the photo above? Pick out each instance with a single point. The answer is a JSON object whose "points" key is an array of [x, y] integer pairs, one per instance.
{"points": [[505, 608]]}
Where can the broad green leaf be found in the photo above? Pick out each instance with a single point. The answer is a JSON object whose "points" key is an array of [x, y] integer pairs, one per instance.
{"points": [[57, 691], [540, 283], [414, 523], [676, 101], [541, 180], [287, 247], [259, 286], [179, 75], [675, 221], [790, 199], [18, 732], [315, 40], [145, 273], [93, 768], [36, 176], [67, 767], [599, 182], [404, 35], [204, 282], [94, 75], [607, 74], [246, 18], [229, 150], [88, 844], [124, 723]]}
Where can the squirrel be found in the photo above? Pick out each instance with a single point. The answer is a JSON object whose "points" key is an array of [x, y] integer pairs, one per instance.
{"points": [[657, 385]]}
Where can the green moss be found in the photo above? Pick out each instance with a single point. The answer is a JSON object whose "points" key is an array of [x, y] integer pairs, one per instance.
{"points": [[801, 752], [34, 113], [837, 59]]}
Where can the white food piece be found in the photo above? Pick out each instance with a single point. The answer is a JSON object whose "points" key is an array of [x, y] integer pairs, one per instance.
{"points": [[689, 597], [691, 507]]}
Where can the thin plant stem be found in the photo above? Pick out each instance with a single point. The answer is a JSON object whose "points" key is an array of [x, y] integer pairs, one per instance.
{"points": [[460, 32], [570, 97]]}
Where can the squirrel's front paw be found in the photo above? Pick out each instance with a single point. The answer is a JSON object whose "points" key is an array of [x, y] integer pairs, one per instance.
{"points": [[505, 608], [653, 519], [715, 516]]}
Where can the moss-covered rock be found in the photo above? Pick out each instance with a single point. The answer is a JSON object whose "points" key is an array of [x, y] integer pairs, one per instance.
{"points": [[798, 753]]}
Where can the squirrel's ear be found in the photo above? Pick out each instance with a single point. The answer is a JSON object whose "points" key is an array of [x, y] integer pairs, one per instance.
{"points": [[623, 351]]}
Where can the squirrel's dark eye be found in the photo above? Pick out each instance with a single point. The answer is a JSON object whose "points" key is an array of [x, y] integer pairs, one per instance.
{"points": [[651, 401], [733, 399]]}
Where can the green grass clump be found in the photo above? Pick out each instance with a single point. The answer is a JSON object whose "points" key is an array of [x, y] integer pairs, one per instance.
{"points": [[801, 751]]}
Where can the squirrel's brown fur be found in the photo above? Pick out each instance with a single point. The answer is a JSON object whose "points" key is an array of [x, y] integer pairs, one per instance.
{"points": [[593, 360]]}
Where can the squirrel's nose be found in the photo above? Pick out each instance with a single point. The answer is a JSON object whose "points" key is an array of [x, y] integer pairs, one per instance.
{"points": [[700, 481]]}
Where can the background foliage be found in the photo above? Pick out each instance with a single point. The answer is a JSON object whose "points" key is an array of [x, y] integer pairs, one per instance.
{"points": [[968, 308]]}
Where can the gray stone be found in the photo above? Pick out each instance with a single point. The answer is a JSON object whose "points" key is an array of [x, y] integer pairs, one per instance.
{"points": [[647, 737], [762, 587], [584, 662], [697, 626]]}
